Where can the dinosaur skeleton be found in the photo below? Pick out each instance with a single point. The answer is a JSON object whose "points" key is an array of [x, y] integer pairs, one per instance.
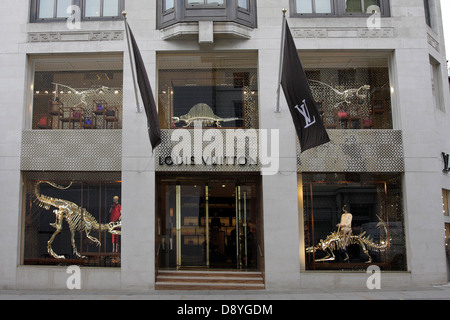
{"points": [[79, 219], [83, 94], [203, 113], [345, 96], [335, 241]]}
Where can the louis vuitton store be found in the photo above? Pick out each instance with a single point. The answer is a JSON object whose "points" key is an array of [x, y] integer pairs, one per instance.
{"points": [[228, 200], [227, 209]]}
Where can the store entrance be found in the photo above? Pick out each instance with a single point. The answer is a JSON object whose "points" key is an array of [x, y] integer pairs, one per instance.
{"points": [[208, 223]]}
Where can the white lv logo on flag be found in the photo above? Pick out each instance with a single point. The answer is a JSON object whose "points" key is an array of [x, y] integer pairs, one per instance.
{"points": [[305, 113]]}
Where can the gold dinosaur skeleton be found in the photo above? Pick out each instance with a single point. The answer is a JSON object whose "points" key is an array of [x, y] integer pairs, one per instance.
{"points": [[337, 241], [203, 113], [79, 219]]}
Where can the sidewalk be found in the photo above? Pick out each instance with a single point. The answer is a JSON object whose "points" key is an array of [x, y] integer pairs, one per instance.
{"points": [[428, 293]]}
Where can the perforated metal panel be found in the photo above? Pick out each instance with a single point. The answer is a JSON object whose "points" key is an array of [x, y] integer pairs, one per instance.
{"points": [[72, 150], [355, 151]]}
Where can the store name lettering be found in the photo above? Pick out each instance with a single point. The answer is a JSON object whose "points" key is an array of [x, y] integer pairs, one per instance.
{"points": [[212, 161], [230, 147]]}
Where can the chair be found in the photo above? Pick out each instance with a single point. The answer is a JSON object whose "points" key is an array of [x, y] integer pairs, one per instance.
{"points": [[111, 115], [87, 121], [99, 111], [355, 117], [329, 119], [379, 108], [71, 116], [55, 110]]}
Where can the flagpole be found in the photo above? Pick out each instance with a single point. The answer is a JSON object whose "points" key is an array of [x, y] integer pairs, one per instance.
{"points": [[283, 34], [124, 14]]}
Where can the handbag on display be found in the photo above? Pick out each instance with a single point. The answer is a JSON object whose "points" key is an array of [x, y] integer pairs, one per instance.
{"points": [[88, 121], [99, 107], [342, 115], [43, 121]]}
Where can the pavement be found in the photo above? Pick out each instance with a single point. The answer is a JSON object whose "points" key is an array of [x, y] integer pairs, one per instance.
{"points": [[423, 293]]}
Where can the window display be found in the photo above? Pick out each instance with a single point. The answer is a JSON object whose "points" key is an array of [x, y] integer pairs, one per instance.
{"points": [[352, 91], [217, 90], [76, 99], [74, 220], [352, 220]]}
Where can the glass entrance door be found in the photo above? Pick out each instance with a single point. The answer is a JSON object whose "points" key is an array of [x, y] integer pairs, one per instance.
{"points": [[191, 231], [207, 224]]}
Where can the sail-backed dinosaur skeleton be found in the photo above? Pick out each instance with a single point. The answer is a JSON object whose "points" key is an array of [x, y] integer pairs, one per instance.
{"points": [[79, 219], [202, 113]]}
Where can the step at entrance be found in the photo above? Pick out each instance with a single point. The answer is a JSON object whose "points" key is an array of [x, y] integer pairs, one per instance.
{"points": [[208, 280]]}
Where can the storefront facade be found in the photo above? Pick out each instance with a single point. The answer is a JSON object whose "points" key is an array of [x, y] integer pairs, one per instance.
{"points": [[230, 195]]}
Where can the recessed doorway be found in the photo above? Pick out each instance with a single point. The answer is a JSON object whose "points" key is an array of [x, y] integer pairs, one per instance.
{"points": [[209, 223]]}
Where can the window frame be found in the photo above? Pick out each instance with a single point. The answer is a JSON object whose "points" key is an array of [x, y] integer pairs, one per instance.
{"points": [[169, 10], [427, 9], [34, 12], [338, 10], [246, 10], [313, 2], [205, 5]]}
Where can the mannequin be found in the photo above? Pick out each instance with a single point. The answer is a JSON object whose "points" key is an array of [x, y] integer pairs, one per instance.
{"points": [[115, 214], [345, 226]]}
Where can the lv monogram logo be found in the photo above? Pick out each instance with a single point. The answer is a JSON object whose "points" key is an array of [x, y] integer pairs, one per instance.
{"points": [[303, 110]]}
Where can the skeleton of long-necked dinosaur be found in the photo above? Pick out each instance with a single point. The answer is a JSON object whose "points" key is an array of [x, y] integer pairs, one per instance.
{"points": [[78, 218]]}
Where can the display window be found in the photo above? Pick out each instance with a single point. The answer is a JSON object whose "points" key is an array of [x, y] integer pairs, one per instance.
{"points": [[352, 92], [447, 240], [77, 93], [72, 219], [213, 90], [352, 221]]}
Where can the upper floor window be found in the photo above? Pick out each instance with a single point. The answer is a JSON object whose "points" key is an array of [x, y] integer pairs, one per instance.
{"points": [[352, 90], [362, 6], [170, 12], [101, 8], [218, 89], [77, 93], [339, 7], [426, 4], [55, 10], [314, 6]]}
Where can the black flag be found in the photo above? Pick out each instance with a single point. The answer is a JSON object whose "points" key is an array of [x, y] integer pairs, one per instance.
{"points": [[308, 124], [154, 128]]}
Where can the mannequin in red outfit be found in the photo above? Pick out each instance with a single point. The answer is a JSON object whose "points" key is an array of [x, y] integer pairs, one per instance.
{"points": [[115, 214]]}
